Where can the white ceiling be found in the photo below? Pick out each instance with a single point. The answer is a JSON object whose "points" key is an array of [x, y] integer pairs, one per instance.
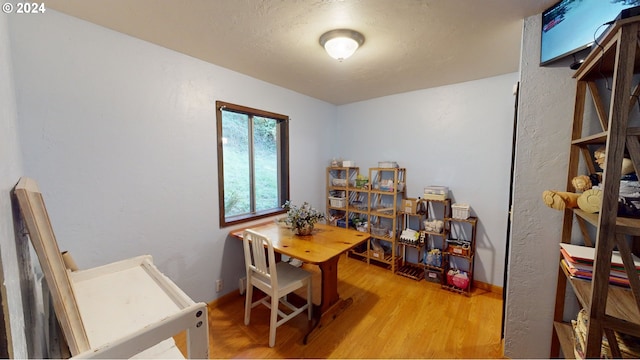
{"points": [[409, 44]]}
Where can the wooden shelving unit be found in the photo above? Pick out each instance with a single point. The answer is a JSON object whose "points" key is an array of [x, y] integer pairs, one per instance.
{"points": [[434, 239], [340, 185], [412, 270], [465, 229], [428, 239], [386, 191], [609, 308], [377, 203]]}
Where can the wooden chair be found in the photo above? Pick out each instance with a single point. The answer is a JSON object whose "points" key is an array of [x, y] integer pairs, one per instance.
{"points": [[119, 310], [274, 279]]}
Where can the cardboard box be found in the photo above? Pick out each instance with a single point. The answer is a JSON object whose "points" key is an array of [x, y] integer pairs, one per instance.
{"points": [[410, 205], [378, 254]]}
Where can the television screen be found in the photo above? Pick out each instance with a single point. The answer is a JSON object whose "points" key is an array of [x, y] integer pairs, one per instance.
{"points": [[572, 25]]}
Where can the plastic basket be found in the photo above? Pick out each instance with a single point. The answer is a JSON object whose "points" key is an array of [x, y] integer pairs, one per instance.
{"points": [[339, 182], [379, 231], [337, 202], [460, 211]]}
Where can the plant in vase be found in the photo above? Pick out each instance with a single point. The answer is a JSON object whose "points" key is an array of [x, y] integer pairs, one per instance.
{"points": [[302, 218]]}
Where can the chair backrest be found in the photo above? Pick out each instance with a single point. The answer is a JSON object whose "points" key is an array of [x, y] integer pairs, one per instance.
{"points": [[256, 260], [46, 247]]}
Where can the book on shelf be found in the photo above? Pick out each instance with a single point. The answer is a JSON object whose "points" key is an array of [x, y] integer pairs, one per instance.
{"points": [[588, 254], [589, 275], [578, 262]]}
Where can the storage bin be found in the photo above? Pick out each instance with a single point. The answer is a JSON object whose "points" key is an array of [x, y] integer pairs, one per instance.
{"points": [[337, 202], [339, 182], [458, 278], [348, 163], [460, 211], [343, 223], [436, 192], [385, 185], [433, 276], [461, 280], [434, 258], [459, 247], [450, 275], [387, 164], [379, 230]]}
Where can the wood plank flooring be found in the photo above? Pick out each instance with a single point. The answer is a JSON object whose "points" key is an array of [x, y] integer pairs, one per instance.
{"points": [[391, 317]]}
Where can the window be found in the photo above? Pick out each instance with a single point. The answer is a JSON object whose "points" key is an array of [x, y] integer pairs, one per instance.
{"points": [[253, 163]]}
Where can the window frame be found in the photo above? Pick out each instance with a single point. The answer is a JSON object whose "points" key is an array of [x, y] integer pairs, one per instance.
{"points": [[283, 164]]}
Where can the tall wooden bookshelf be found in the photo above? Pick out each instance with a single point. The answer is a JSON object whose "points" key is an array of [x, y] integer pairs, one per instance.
{"points": [[609, 308]]}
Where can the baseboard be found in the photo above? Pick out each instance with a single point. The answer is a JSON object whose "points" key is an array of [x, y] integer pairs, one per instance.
{"points": [[487, 287], [235, 293], [225, 298]]}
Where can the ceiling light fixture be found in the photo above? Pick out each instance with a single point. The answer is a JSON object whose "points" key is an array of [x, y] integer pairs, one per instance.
{"points": [[341, 43]]}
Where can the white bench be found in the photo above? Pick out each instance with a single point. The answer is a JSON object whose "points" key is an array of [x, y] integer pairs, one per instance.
{"points": [[120, 310]]}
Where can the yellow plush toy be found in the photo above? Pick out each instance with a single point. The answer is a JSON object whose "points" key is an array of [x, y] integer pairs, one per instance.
{"points": [[581, 183], [589, 201], [600, 156], [586, 197]]}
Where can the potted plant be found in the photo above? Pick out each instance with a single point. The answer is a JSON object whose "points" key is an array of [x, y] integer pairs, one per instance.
{"points": [[301, 219]]}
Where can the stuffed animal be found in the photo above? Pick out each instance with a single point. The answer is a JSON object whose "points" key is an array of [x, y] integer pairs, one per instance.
{"points": [[581, 183], [590, 198], [600, 157], [589, 201]]}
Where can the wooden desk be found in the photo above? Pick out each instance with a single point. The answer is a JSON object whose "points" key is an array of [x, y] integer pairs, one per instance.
{"points": [[322, 248]]}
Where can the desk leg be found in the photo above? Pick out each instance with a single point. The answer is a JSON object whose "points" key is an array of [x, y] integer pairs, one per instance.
{"points": [[331, 305]]}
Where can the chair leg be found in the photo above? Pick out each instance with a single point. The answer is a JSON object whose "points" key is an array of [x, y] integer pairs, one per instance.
{"points": [[273, 324], [248, 303], [309, 299]]}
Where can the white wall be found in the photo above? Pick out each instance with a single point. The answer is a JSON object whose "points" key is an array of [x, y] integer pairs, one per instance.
{"points": [[10, 171], [121, 136], [543, 139], [458, 136]]}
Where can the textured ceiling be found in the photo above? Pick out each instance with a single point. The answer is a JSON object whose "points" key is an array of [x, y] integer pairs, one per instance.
{"points": [[409, 44]]}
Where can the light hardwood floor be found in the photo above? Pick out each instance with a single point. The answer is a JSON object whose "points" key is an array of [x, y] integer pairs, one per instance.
{"points": [[391, 317]]}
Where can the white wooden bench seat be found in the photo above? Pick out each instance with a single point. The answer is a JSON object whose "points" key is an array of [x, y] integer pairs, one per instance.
{"points": [[119, 310]]}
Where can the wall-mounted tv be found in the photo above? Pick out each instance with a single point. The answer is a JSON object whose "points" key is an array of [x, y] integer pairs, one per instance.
{"points": [[570, 26]]}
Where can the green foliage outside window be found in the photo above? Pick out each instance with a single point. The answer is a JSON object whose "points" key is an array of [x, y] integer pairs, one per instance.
{"points": [[252, 163]]}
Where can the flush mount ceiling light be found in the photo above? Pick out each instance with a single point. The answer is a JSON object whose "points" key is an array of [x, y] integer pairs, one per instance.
{"points": [[341, 43]]}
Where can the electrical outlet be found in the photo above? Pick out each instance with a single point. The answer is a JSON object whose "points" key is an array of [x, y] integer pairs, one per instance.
{"points": [[242, 285], [219, 285]]}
